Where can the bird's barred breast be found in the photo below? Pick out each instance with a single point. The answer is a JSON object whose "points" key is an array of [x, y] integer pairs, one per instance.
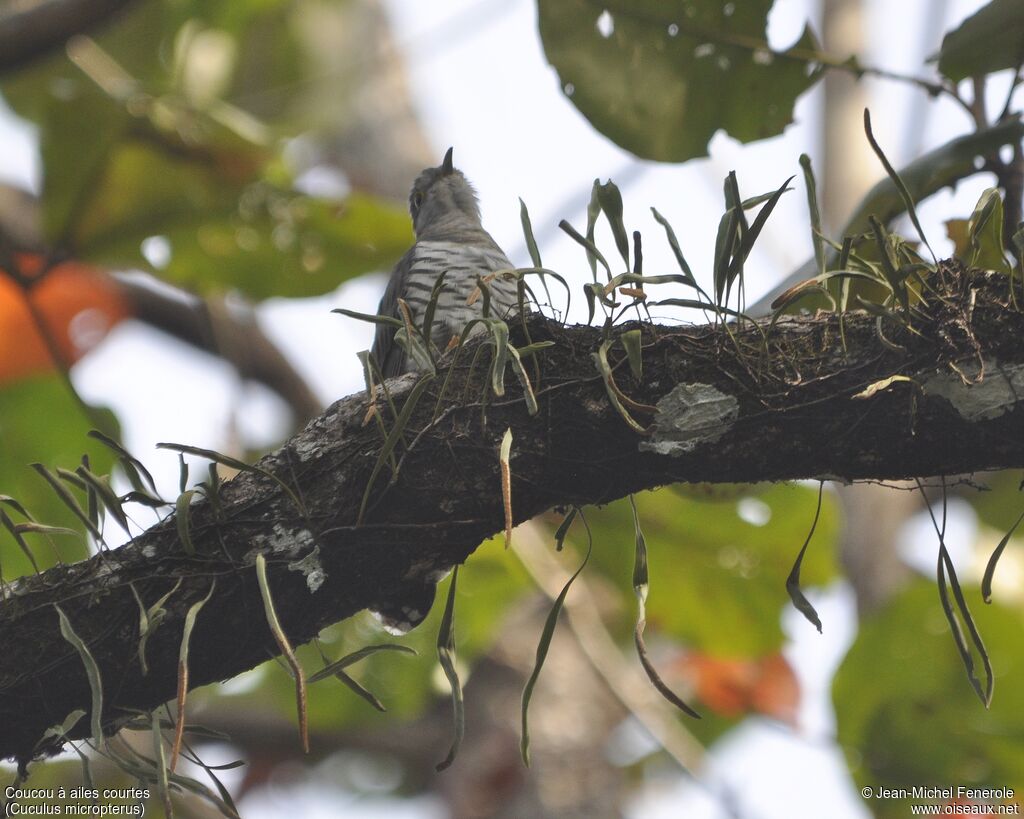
{"points": [[461, 263]]}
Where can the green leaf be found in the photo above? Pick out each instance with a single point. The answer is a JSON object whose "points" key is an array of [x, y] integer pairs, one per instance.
{"points": [[92, 672], [394, 436], [812, 206], [58, 95], [985, 234], [563, 528], [261, 240], [160, 759], [990, 567], [182, 519], [931, 172], [673, 242], [673, 72], [593, 211], [720, 578], [751, 233], [604, 367], [99, 485], [640, 587], [284, 646], [524, 379], [800, 601], [150, 619], [134, 468], [233, 463], [542, 650], [908, 200], [588, 244], [632, 341], [989, 40], [446, 658], [68, 499], [611, 203], [946, 571], [331, 669], [10, 526], [725, 244], [531, 242]]}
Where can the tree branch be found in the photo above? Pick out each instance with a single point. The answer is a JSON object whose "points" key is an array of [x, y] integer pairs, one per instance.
{"points": [[722, 406], [48, 24], [237, 338], [206, 324]]}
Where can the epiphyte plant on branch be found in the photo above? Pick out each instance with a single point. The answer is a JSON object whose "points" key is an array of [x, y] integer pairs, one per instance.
{"points": [[902, 337], [737, 345]]}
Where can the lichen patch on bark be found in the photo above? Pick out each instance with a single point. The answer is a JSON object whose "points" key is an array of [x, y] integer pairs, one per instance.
{"points": [[689, 416], [996, 393]]}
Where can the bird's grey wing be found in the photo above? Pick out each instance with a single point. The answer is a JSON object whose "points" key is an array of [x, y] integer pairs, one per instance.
{"points": [[390, 357]]}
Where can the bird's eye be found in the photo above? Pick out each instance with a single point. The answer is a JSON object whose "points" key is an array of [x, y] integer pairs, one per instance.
{"points": [[417, 199]]}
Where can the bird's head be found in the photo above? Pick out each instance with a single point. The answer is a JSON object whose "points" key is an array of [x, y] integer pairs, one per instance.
{"points": [[443, 195]]}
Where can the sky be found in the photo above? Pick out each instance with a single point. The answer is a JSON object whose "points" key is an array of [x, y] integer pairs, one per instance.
{"points": [[483, 86]]}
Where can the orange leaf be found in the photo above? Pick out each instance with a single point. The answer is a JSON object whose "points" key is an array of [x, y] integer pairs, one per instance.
{"points": [[733, 687], [79, 305]]}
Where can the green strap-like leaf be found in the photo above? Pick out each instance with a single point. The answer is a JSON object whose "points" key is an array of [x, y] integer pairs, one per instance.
{"points": [[587, 244], [815, 212], [446, 657], [349, 659], [673, 242], [610, 198], [92, 672], [545, 643], [990, 567], [233, 463], [640, 587], [803, 605], [908, 200], [531, 242]]}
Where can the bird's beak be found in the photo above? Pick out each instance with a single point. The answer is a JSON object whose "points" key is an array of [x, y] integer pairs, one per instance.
{"points": [[446, 165]]}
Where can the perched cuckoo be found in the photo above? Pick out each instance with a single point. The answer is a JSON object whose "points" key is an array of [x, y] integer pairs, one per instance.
{"points": [[450, 241]]}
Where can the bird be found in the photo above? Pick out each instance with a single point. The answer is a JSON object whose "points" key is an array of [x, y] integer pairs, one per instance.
{"points": [[450, 241]]}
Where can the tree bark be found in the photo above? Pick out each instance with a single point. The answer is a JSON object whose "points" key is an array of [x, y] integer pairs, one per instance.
{"points": [[743, 403]]}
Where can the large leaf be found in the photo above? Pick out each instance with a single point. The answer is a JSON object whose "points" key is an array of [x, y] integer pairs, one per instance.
{"points": [[264, 241], [69, 290], [990, 40], [905, 714], [660, 77]]}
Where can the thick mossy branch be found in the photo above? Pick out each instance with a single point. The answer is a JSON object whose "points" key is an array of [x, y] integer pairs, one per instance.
{"points": [[718, 404]]}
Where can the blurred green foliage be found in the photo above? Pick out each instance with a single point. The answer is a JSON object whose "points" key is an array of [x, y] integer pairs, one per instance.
{"points": [[142, 135], [905, 713], [41, 422], [660, 78], [987, 41]]}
